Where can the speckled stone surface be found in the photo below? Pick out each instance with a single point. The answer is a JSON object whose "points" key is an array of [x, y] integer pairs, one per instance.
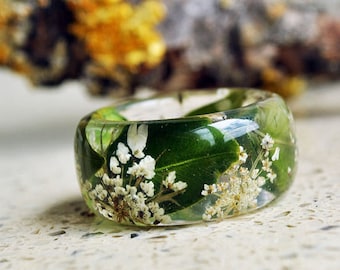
{"points": [[45, 225]]}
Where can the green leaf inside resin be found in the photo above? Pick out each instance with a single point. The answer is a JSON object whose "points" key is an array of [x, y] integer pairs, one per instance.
{"points": [[100, 133], [198, 153]]}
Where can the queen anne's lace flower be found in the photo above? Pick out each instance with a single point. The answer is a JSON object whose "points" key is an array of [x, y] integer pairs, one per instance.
{"points": [[240, 186], [124, 195]]}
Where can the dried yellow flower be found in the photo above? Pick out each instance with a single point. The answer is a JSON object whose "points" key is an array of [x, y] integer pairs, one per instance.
{"points": [[117, 33], [278, 82], [6, 13]]}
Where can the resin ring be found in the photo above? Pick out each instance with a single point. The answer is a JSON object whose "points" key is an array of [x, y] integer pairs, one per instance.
{"points": [[186, 157]]}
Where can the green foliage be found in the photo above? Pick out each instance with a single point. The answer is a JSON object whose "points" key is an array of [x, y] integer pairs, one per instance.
{"points": [[198, 153]]}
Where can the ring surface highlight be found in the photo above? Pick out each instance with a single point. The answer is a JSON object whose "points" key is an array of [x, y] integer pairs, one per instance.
{"points": [[186, 157]]}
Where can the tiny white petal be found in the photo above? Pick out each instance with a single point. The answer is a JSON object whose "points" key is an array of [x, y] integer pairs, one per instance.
{"points": [[169, 180], [272, 176], [243, 155], [107, 180], [114, 165], [120, 191], [123, 153], [118, 181], [145, 168], [171, 177], [266, 165], [148, 188], [136, 139], [132, 190], [267, 142], [209, 189], [179, 186], [101, 192], [276, 154]]}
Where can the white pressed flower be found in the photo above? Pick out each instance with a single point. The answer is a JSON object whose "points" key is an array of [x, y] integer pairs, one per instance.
{"points": [[148, 165], [254, 173], [239, 193], [266, 165], [93, 194], [134, 170], [120, 191], [136, 139], [171, 177], [107, 180], [234, 178], [141, 212], [158, 213], [114, 165], [154, 208], [289, 170], [104, 212], [132, 190], [178, 186], [117, 181], [101, 192], [123, 153], [133, 197], [261, 181], [243, 155], [276, 154], [98, 207], [145, 168], [267, 142], [148, 188], [209, 189], [209, 213], [169, 180], [222, 186], [272, 176], [244, 171]]}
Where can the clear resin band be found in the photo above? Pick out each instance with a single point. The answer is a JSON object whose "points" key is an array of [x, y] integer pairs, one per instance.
{"points": [[186, 157]]}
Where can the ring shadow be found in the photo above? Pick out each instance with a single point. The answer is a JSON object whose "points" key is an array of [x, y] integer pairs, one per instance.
{"points": [[72, 214]]}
